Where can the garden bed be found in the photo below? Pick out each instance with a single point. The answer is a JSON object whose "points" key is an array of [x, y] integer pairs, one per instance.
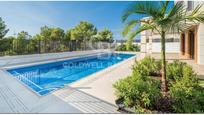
{"points": [[141, 92]]}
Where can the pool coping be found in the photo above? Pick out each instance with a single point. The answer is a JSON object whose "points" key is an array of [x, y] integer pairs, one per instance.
{"points": [[46, 62], [4, 69], [84, 80]]}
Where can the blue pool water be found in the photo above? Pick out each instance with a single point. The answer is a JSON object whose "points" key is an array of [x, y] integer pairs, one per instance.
{"points": [[45, 78]]}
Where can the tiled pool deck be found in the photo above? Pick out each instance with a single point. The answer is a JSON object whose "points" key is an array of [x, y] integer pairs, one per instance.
{"points": [[93, 94]]}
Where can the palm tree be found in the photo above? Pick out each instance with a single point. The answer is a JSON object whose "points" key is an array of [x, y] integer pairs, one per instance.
{"points": [[160, 19]]}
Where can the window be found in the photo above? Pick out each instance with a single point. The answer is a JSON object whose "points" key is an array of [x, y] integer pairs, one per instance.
{"points": [[167, 40], [170, 40], [190, 5], [180, 2], [147, 40], [156, 40]]}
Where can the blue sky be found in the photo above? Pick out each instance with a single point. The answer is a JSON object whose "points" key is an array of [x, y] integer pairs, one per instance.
{"points": [[30, 16]]}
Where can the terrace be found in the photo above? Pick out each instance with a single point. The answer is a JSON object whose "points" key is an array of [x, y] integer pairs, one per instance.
{"points": [[93, 94]]}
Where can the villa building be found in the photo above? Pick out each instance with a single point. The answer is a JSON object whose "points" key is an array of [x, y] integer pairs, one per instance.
{"points": [[188, 44], [192, 40], [151, 43], [135, 42]]}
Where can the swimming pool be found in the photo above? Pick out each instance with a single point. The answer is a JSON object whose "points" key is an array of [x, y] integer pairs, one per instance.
{"points": [[48, 77]]}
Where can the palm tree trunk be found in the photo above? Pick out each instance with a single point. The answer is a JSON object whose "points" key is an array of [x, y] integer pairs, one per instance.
{"points": [[163, 57], [128, 44]]}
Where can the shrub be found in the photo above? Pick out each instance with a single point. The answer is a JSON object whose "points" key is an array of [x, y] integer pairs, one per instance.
{"points": [[147, 67], [8, 52], [141, 92], [177, 71], [138, 92], [134, 48], [123, 47], [62, 47], [187, 96]]}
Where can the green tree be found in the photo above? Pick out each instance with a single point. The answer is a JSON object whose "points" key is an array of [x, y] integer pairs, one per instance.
{"points": [[38, 39], [81, 34], [32, 46], [95, 38], [105, 35], [45, 33], [24, 35], [6, 45], [3, 30], [68, 35], [65, 41], [83, 31], [57, 34], [20, 43], [162, 20]]}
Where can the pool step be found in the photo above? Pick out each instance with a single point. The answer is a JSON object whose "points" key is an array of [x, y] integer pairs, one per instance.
{"points": [[84, 102]]}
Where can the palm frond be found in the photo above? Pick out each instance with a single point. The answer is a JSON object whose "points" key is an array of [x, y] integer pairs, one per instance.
{"points": [[145, 8], [178, 8], [130, 25], [139, 30], [183, 20], [181, 26], [136, 8], [175, 20], [178, 19], [164, 7], [197, 14]]}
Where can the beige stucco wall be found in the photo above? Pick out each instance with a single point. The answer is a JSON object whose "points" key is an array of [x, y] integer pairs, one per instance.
{"points": [[155, 47], [200, 36]]}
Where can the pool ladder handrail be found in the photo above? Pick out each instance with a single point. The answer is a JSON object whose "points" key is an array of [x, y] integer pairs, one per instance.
{"points": [[20, 75]]}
